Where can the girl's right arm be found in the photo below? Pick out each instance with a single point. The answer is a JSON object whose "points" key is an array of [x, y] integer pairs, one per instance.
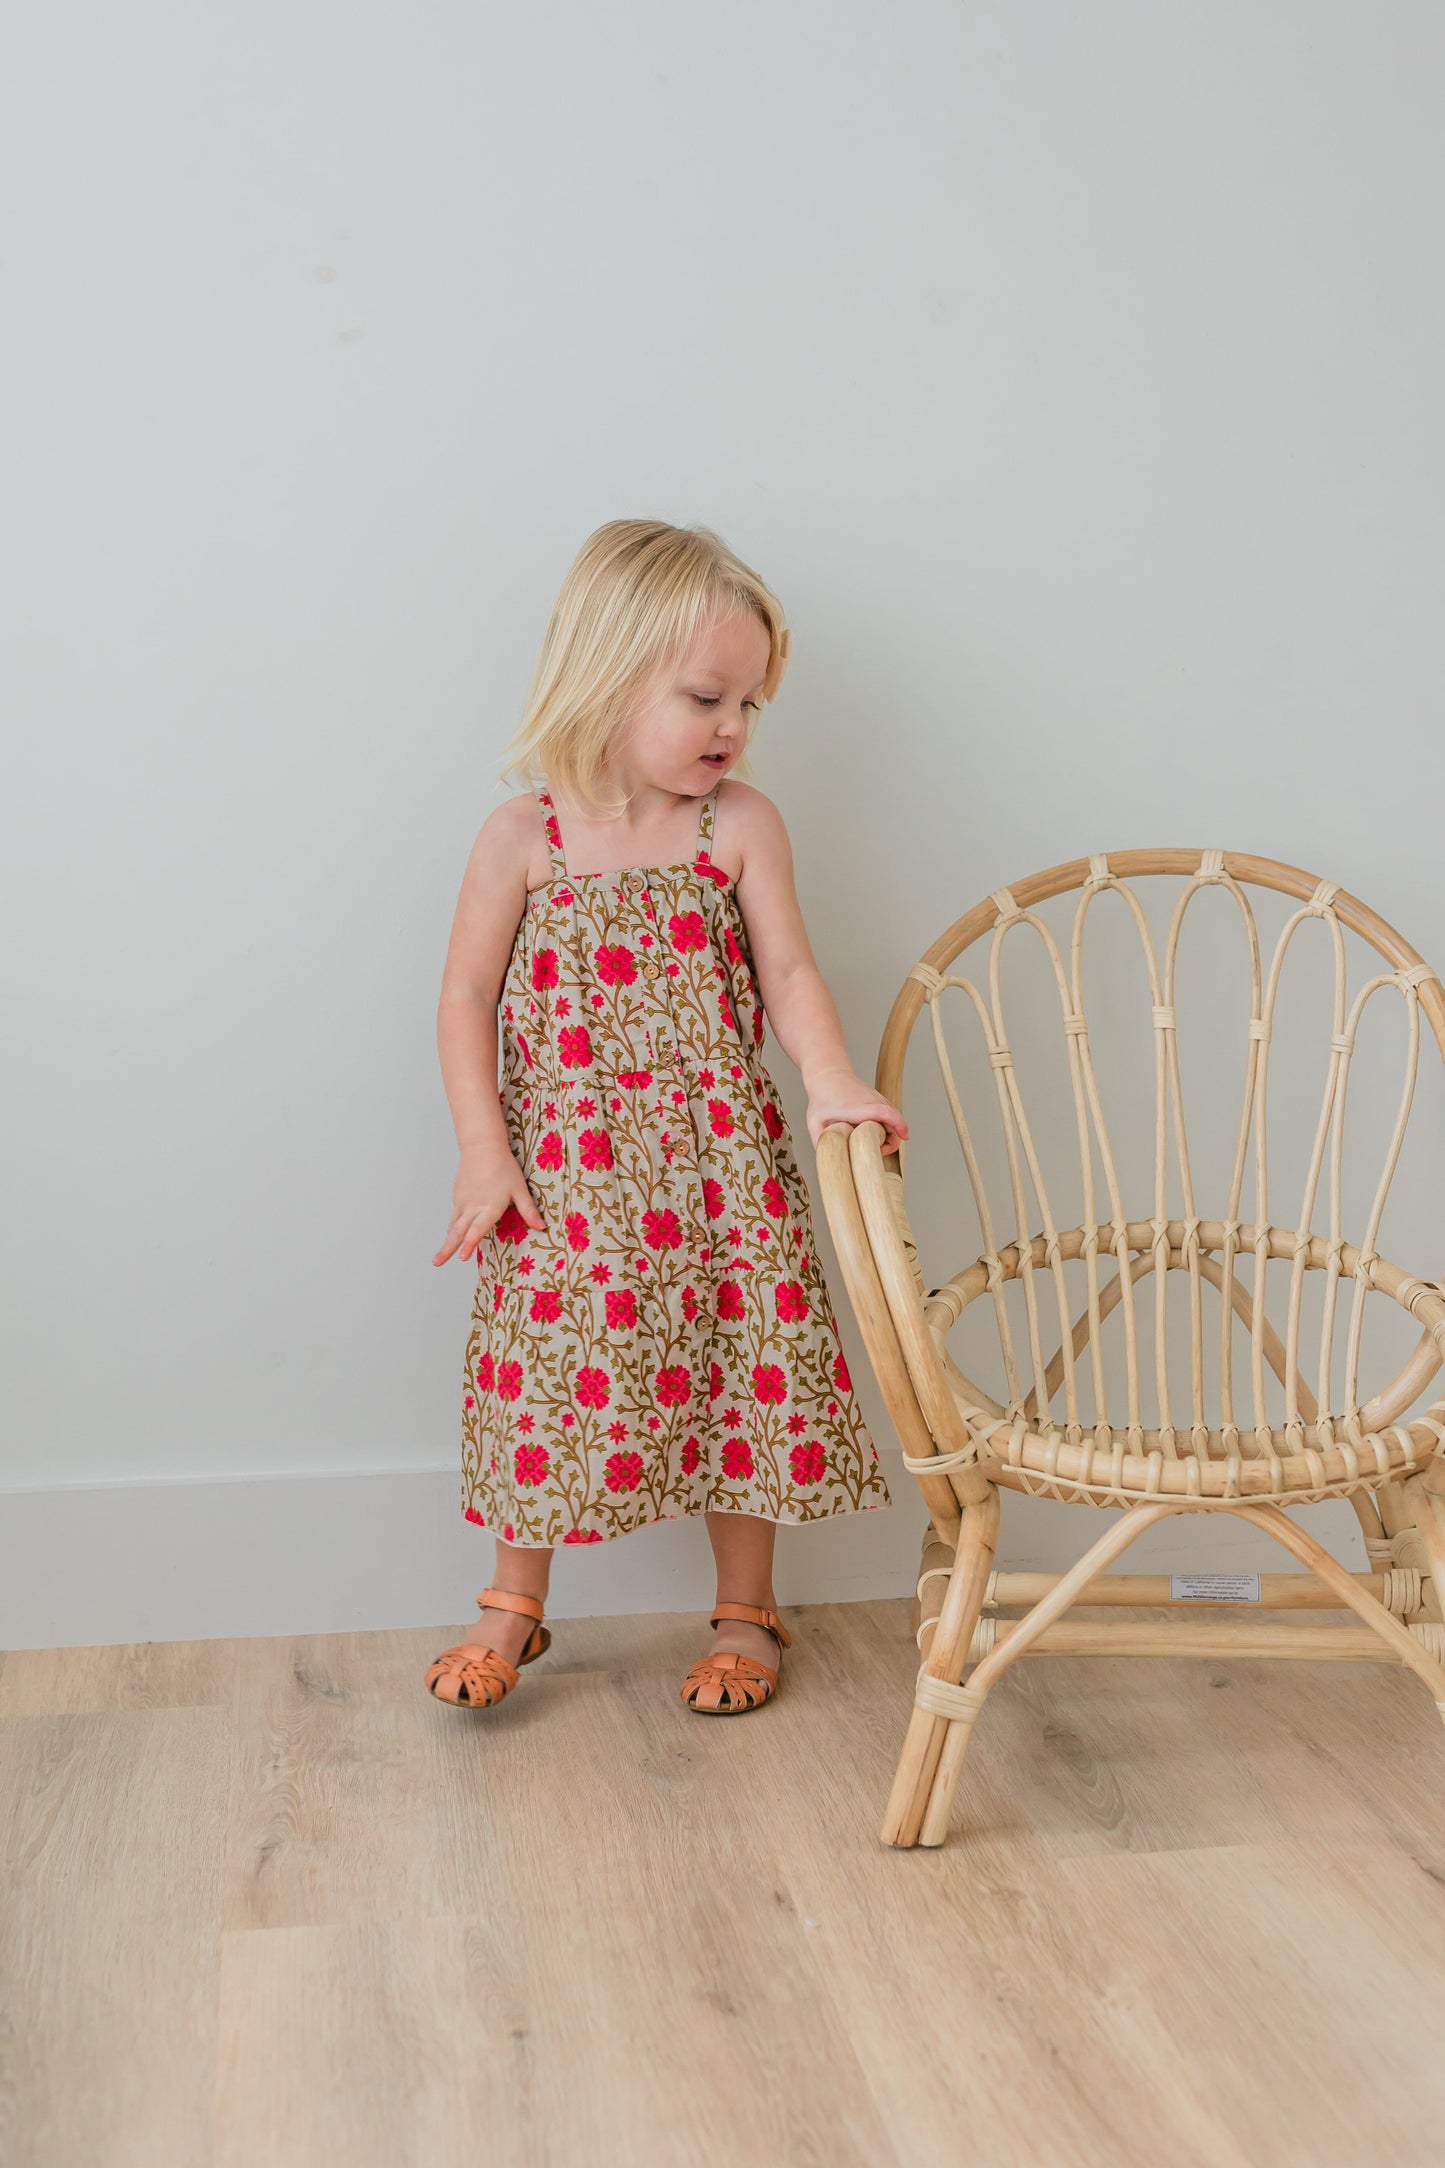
{"points": [[489, 910]]}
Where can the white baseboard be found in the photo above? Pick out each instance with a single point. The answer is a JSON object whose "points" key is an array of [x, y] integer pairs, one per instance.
{"points": [[90, 1565]]}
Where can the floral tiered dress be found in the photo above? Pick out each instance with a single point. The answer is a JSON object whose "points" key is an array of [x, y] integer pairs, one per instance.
{"points": [[665, 1343]]}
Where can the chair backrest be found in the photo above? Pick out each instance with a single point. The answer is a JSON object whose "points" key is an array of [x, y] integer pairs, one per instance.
{"points": [[1145, 1239]]}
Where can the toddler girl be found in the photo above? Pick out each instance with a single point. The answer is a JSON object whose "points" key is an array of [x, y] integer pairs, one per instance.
{"points": [[652, 1334]]}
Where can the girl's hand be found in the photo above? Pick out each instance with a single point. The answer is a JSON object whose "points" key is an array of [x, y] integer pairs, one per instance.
{"points": [[840, 1096], [488, 1182]]}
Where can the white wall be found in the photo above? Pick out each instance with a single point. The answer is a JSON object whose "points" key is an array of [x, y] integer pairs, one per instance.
{"points": [[1074, 375]]}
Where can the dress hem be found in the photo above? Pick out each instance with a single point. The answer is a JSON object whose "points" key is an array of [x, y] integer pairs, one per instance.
{"points": [[788, 1520]]}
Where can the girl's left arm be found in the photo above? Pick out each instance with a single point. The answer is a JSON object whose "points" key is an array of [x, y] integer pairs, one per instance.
{"points": [[802, 1012]]}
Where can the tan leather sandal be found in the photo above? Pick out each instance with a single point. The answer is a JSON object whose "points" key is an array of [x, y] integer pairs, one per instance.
{"points": [[728, 1684], [471, 1677]]}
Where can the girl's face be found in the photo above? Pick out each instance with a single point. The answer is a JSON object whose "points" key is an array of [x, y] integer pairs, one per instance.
{"points": [[693, 722]]}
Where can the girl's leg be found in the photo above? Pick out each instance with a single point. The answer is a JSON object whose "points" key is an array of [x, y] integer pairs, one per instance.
{"points": [[742, 1548], [524, 1572]]}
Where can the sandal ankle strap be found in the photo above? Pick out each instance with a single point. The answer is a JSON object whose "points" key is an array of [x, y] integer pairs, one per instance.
{"points": [[753, 1615], [503, 1599]]}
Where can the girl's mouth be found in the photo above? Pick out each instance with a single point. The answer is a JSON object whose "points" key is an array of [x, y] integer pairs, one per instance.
{"points": [[715, 760]]}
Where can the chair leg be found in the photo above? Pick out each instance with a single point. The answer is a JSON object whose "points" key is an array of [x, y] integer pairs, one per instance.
{"points": [[1422, 1647], [970, 1699], [1427, 1512], [947, 1655]]}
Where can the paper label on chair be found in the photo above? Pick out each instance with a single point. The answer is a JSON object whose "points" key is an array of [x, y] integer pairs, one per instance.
{"points": [[1214, 1588]]}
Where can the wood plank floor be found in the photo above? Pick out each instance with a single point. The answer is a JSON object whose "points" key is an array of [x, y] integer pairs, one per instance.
{"points": [[266, 1904]]}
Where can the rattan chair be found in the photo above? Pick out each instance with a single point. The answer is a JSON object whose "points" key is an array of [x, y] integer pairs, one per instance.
{"points": [[1072, 1424]]}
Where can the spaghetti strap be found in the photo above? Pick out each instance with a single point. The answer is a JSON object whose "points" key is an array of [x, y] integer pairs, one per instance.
{"points": [[554, 833], [704, 824]]}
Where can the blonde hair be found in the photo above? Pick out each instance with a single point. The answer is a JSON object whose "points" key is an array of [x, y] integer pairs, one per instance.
{"points": [[633, 603]]}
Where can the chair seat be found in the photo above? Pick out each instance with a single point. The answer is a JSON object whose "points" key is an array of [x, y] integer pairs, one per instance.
{"points": [[1317, 1455], [1102, 1466]]}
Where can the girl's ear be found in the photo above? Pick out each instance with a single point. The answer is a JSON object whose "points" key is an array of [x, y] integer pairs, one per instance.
{"points": [[780, 666]]}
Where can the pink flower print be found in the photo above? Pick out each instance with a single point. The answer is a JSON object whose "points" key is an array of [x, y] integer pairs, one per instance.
{"points": [[720, 1118], [737, 1457], [797, 1422], [773, 1199], [546, 1306], [526, 1051], [792, 1301], [509, 1380], [526, 1422], [674, 1386], [511, 1227], [583, 1535], [841, 1378], [725, 1011], [544, 969], [769, 1382], [595, 1147], [806, 1462], [707, 871], [732, 1417], [660, 1229], [468, 1401], [758, 1025], [732, 945], [574, 1046], [529, 1463], [714, 1203], [621, 1306], [616, 966], [772, 1120], [600, 1272], [593, 1387], [624, 1471], [473, 1515], [486, 1372], [549, 1152], [691, 1455], [563, 898], [729, 1299], [498, 1294], [576, 1225], [715, 1382], [634, 1080], [509, 1533], [687, 930], [568, 1419]]}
